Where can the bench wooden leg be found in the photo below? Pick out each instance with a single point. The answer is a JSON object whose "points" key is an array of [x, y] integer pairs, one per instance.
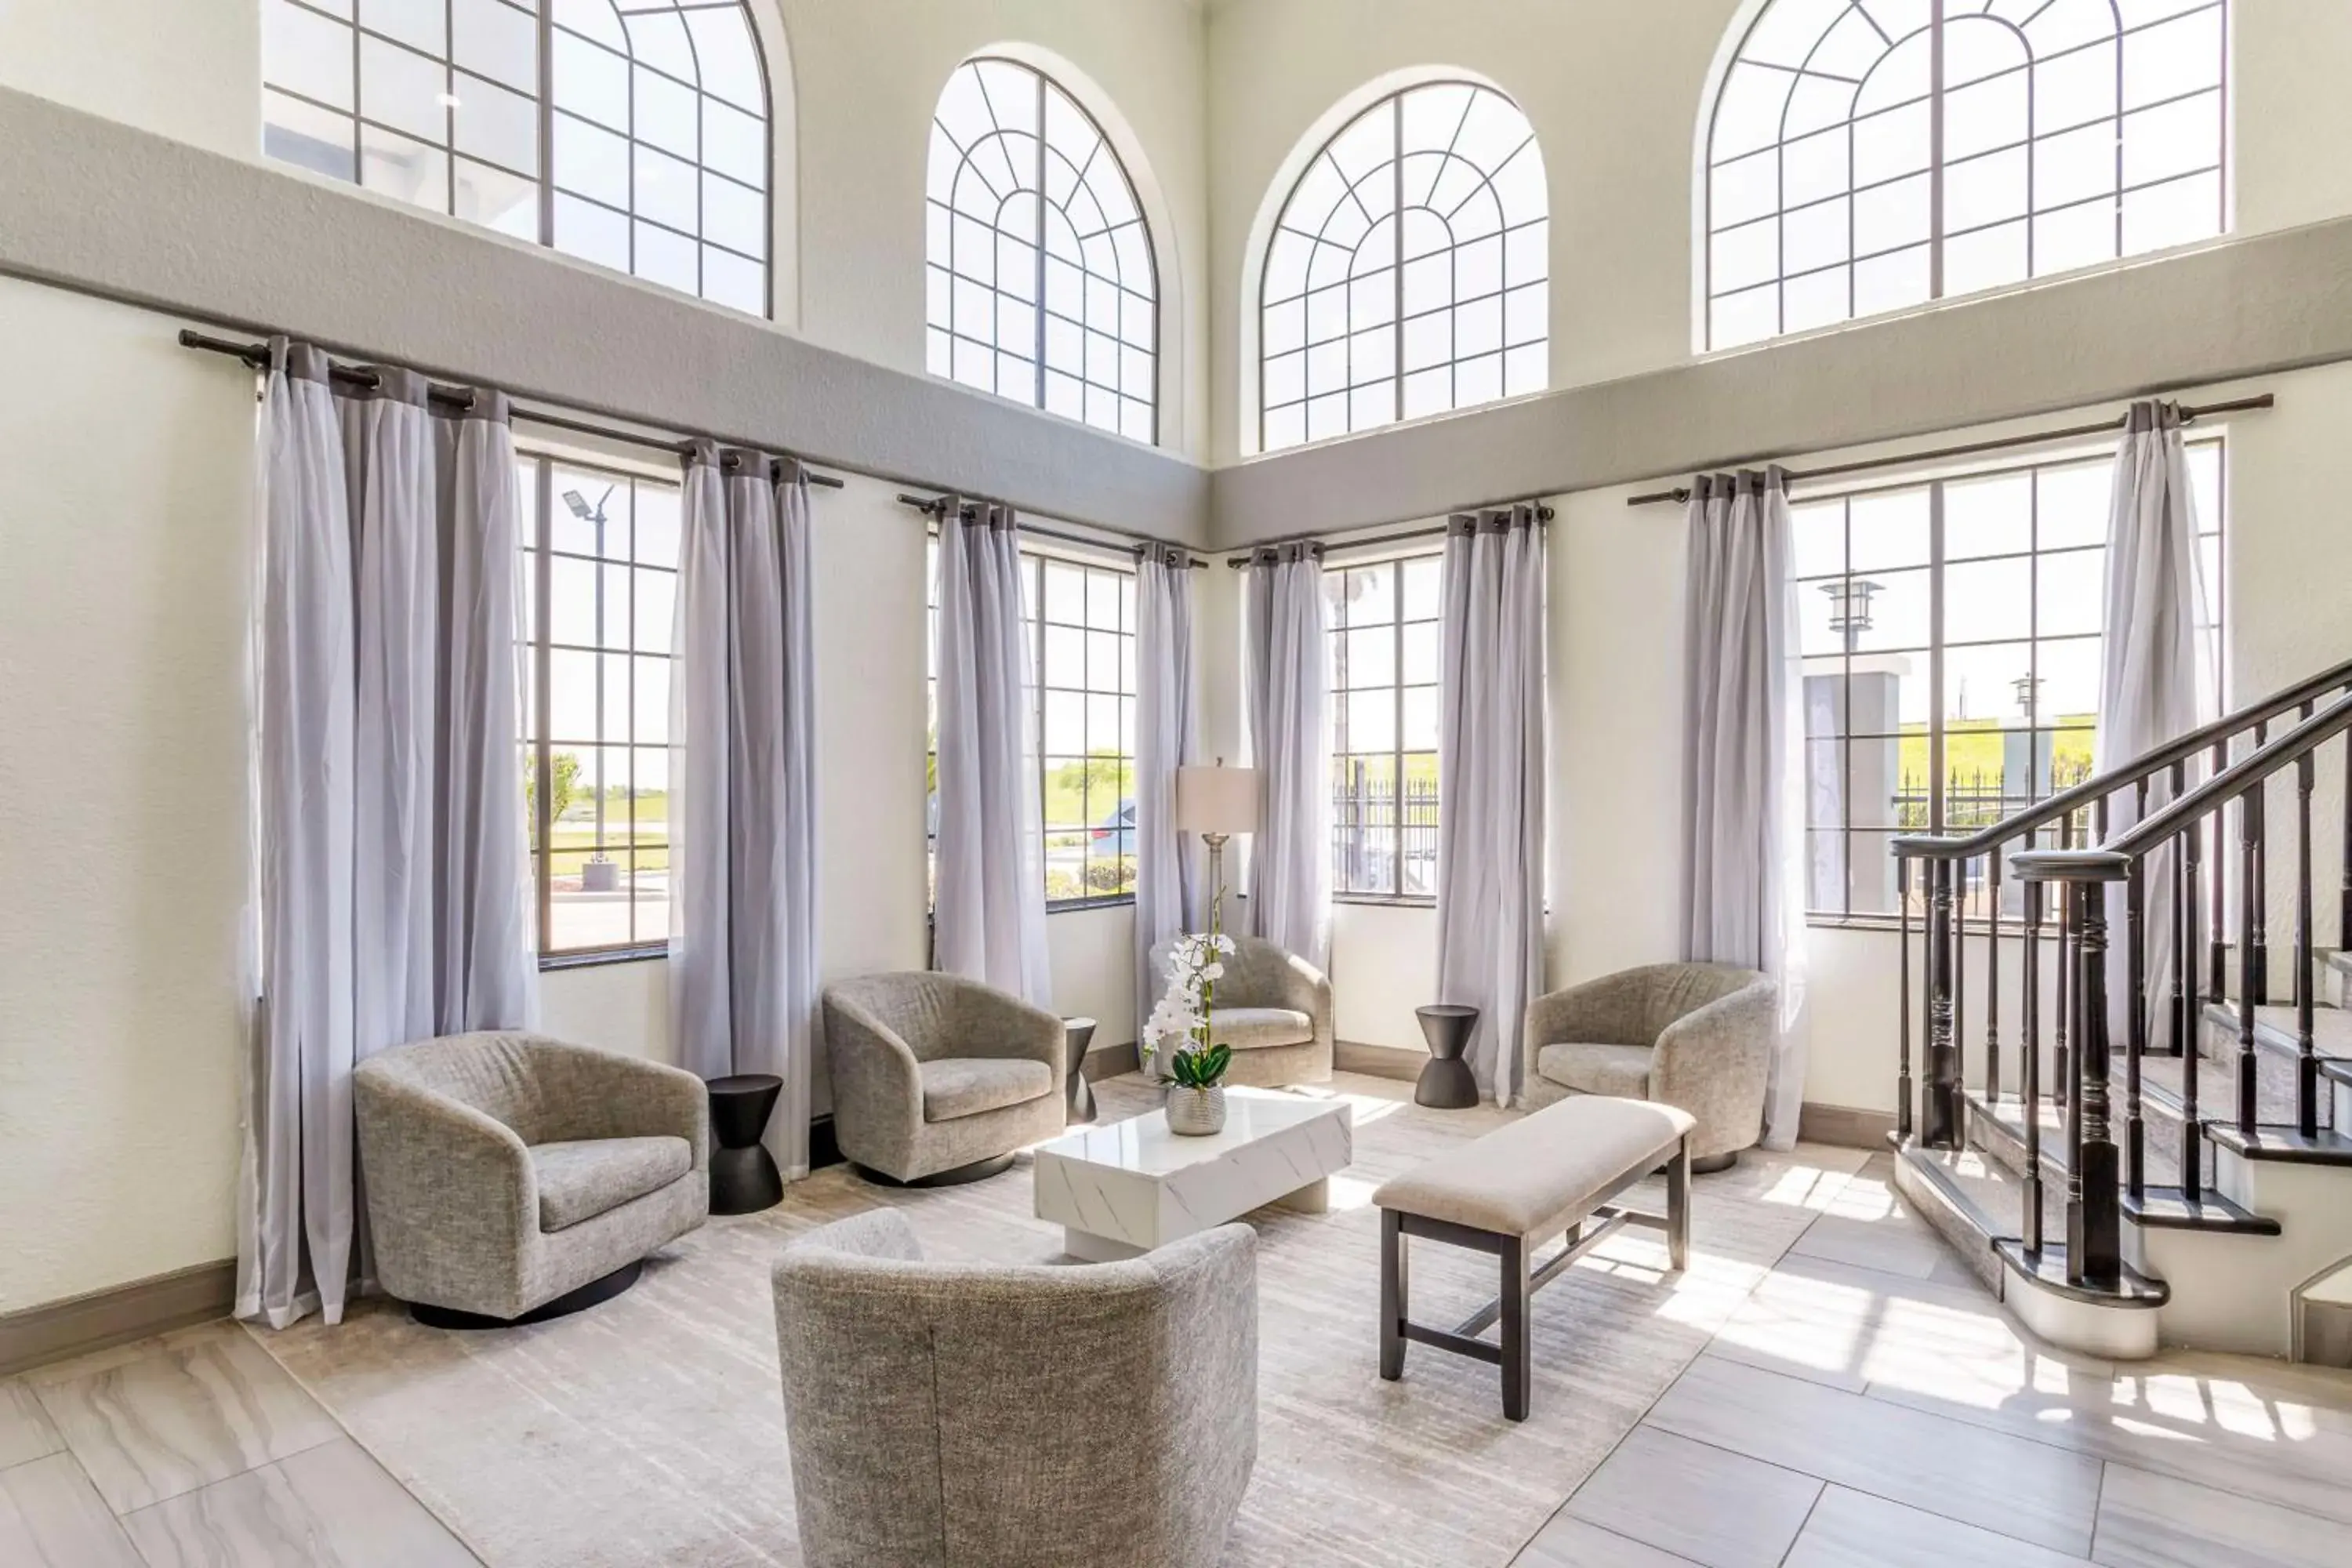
{"points": [[1678, 1185], [1517, 1380], [1392, 1294]]}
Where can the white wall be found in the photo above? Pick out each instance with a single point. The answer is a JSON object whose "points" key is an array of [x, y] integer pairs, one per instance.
{"points": [[124, 501], [855, 101]]}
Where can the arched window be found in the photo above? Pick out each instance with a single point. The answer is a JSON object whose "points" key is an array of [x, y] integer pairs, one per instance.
{"points": [[1407, 273], [1869, 154], [1066, 284], [633, 134]]}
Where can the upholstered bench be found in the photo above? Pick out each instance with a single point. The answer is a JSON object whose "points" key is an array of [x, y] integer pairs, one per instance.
{"points": [[1515, 1188]]}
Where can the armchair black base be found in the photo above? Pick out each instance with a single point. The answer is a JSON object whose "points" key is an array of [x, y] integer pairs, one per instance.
{"points": [[602, 1289]]}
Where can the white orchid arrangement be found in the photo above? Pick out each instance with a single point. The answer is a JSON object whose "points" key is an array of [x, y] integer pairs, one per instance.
{"points": [[1180, 1019]]}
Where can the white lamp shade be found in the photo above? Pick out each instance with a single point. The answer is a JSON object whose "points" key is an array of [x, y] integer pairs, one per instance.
{"points": [[1216, 800]]}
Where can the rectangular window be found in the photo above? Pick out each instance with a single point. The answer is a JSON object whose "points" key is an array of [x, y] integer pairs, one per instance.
{"points": [[1384, 683], [1080, 618], [600, 576], [1956, 618]]}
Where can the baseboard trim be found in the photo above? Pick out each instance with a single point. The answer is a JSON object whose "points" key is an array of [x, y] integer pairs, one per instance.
{"points": [[1109, 1061], [1844, 1126], [1396, 1062], [117, 1315]]}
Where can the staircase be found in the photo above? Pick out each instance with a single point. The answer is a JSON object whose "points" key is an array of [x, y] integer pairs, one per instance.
{"points": [[2115, 1192]]}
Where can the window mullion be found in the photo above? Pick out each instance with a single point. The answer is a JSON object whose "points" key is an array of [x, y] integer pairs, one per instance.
{"points": [[1396, 320], [1041, 269], [542, 597], [1396, 695], [1936, 157]]}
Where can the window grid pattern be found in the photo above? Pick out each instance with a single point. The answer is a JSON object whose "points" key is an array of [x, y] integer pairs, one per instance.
{"points": [[1383, 632], [2011, 564], [1080, 621], [632, 133], [1407, 274], [1041, 285], [1867, 155], [600, 575]]}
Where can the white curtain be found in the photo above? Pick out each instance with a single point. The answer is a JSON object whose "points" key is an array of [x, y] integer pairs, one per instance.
{"points": [[1165, 733], [1491, 760], [390, 804], [743, 931], [1743, 758], [1288, 668], [2157, 676], [989, 919]]}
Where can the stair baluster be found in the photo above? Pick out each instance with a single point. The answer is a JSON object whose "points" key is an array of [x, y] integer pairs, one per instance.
{"points": [[2136, 1041], [2218, 928], [2061, 1079], [2306, 1056], [2250, 827], [1903, 1090], [2192, 1138], [1941, 1123], [2344, 853], [2177, 1031], [1959, 996], [2256, 974], [1992, 977], [2030, 1065]]}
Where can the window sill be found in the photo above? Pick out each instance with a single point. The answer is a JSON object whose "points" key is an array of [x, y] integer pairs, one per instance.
{"points": [[1389, 901], [548, 962], [1078, 906]]}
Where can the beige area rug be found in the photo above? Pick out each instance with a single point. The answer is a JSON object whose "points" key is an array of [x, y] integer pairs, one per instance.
{"points": [[649, 1430]]}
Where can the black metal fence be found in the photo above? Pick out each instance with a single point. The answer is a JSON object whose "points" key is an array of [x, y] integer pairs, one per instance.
{"points": [[1383, 842]]}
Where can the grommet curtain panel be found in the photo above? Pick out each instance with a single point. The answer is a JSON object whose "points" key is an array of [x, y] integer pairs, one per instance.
{"points": [[1491, 758], [2156, 671], [989, 911], [1287, 675], [1743, 757], [1166, 726], [743, 856], [393, 880]]}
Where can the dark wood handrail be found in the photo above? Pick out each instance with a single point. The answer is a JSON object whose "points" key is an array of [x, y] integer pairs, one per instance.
{"points": [[2112, 862], [1938, 847]]}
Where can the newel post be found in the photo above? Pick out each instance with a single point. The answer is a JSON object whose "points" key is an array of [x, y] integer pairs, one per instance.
{"points": [[2094, 1168]]}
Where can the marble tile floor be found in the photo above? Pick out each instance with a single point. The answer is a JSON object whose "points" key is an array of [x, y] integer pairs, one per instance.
{"points": [[1860, 1402], [196, 1450], [1870, 1406]]}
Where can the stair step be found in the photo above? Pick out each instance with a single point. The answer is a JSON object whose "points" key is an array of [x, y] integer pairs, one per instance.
{"points": [[2162, 1080], [2326, 1147], [2169, 1209], [2047, 1269], [2274, 1031]]}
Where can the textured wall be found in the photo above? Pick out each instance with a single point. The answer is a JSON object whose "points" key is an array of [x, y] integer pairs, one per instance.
{"points": [[1615, 92], [124, 495], [101, 206]]}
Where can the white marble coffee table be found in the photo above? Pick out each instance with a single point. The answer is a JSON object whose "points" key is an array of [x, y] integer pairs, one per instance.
{"points": [[1122, 1189]]}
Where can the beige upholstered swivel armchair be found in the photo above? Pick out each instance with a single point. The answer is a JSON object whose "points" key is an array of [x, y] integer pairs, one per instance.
{"points": [[1272, 1009], [985, 1416], [937, 1078], [1698, 1036], [509, 1174]]}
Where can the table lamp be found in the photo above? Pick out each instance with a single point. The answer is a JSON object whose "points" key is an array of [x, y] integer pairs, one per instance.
{"points": [[1217, 803]]}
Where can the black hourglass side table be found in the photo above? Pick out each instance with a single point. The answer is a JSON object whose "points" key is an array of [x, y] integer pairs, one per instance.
{"points": [[1447, 1083], [743, 1174]]}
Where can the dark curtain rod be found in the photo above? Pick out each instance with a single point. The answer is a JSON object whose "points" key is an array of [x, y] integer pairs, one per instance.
{"points": [[939, 504], [1543, 514], [1966, 449], [257, 356]]}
